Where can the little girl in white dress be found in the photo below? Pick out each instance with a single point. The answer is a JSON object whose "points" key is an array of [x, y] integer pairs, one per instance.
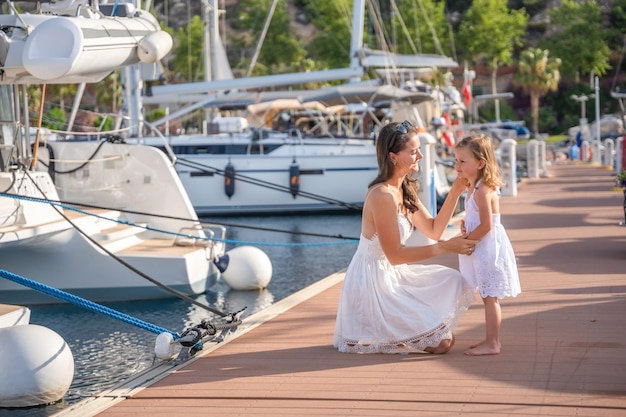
{"points": [[492, 268]]}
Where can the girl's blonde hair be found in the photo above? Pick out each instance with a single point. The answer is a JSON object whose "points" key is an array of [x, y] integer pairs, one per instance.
{"points": [[481, 147]]}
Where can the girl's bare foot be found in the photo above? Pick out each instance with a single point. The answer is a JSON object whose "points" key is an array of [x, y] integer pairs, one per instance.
{"points": [[482, 342], [483, 349]]}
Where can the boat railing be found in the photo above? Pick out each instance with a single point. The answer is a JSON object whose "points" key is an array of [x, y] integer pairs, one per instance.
{"points": [[119, 134], [204, 236], [168, 149], [95, 135], [295, 136]]}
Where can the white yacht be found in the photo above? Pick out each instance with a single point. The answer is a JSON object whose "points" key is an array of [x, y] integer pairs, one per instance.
{"points": [[102, 220]]}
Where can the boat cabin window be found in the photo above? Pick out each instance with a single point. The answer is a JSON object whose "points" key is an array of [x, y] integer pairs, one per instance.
{"points": [[219, 149]]}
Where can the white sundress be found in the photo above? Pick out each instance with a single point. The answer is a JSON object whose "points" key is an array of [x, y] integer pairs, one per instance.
{"points": [[491, 269], [397, 309]]}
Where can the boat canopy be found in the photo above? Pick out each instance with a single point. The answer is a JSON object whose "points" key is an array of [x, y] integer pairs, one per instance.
{"points": [[375, 58], [372, 95]]}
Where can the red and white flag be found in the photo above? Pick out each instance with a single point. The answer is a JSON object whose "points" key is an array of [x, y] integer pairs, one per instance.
{"points": [[467, 93], [447, 135]]}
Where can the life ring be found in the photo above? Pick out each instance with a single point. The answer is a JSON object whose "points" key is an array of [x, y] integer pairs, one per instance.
{"points": [[229, 180], [294, 180]]}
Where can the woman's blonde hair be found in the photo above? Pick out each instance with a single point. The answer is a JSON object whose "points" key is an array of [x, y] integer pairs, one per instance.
{"points": [[481, 147]]}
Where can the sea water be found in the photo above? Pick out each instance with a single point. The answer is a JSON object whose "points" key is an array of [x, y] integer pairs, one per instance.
{"points": [[302, 249]]}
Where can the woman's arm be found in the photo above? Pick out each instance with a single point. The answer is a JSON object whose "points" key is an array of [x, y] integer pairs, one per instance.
{"points": [[384, 213], [434, 227]]}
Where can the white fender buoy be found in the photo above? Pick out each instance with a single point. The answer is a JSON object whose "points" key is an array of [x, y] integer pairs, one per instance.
{"points": [[165, 347], [247, 268], [37, 366]]}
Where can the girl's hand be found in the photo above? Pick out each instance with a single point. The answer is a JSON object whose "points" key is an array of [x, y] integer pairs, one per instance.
{"points": [[463, 229]]}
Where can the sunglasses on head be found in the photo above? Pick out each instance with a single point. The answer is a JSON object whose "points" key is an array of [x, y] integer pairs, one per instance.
{"points": [[402, 128]]}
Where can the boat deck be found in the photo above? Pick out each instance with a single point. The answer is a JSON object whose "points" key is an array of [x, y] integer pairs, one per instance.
{"points": [[564, 338]]}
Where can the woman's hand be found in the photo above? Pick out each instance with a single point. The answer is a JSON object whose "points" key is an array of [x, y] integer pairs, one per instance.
{"points": [[463, 228], [460, 245], [459, 185]]}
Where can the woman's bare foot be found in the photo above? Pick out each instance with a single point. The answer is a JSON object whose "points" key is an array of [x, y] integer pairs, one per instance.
{"points": [[443, 347], [483, 349]]}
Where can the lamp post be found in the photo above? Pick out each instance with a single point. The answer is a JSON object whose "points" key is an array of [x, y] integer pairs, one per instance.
{"points": [[582, 99]]}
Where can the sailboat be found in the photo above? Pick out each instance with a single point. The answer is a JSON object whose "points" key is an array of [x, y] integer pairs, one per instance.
{"points": [[101, 220], [239, 165]]}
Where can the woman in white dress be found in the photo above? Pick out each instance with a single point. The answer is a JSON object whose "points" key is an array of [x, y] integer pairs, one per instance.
{"points": [[389, 303]]}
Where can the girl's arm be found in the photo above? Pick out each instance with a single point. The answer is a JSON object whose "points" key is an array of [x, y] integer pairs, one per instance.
{"points": [[483, 196], [384, 213], [434, 227]]}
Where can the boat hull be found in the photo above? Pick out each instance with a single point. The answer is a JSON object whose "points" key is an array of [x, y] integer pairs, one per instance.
{"points": [[99, 254], [326, 184], [241, 173]]}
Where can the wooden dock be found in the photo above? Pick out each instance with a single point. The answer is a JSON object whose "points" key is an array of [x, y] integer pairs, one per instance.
{"points": [[563, 338]]}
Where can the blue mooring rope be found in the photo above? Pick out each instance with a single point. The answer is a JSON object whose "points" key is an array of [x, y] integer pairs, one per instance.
{"points": [[89, 305]]}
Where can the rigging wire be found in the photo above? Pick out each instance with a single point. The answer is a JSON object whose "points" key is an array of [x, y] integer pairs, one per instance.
{"points": [[431, 27], [163, 216], [394, 5], [259, 45], [416, 24], [379, 27], [126, 264]]}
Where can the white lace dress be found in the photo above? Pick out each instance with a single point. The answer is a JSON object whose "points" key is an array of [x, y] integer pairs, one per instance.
{"points": [[492, 268], [397, 309]]}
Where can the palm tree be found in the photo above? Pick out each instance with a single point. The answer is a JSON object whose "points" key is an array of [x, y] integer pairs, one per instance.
{"points": [[538, 73]]}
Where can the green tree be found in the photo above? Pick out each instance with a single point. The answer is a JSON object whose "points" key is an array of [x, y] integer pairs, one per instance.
{"points": [[490, 31], [578, 39], [55, 119], [61, 91], [108, 93], [281, 50], [333, 21], [488, 111], [187, 61], [424, 25], [617, 27], [537, 74]]}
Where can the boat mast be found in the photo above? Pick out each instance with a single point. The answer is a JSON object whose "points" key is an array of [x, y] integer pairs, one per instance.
{"points": [[356, 42], [210, 35]]}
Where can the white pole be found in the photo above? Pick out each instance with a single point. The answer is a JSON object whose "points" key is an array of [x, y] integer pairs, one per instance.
{"points": [[208, 63], [597, 148], [356, 43], [77, 99], [597, 90]]}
